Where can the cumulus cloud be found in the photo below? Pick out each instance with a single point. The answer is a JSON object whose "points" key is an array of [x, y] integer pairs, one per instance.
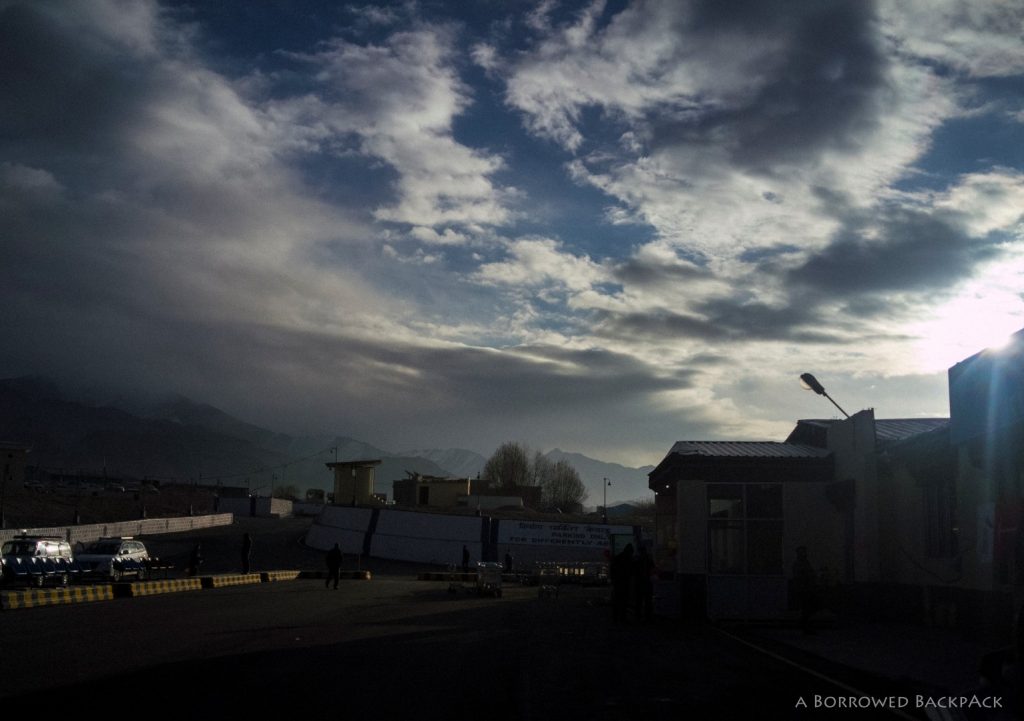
{"points": [[397, 101], [534, 262], [980, 39], [750, 190]]}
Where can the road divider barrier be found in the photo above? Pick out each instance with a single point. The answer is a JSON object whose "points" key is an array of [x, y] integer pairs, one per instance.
{"points": [[52, 596], [230, 579], [152, 588], [351, 575], [271, 576]]}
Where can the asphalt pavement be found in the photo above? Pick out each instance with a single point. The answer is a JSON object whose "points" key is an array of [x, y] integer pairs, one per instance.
{"points": [[396, 647]]}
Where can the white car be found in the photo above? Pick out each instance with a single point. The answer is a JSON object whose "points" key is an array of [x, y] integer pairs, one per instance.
{"points": [[115, 558], [36, 560]]}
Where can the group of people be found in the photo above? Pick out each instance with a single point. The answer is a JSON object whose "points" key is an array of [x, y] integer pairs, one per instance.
{"points": [[631, 573], [195, 557], [334, 560]]}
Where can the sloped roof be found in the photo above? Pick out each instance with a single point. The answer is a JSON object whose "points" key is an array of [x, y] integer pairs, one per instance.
{"points": [[741, 461], [896, 429], [887, 430], [746, 449]]}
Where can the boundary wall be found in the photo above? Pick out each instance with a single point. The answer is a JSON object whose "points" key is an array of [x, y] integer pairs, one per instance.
{"points": [[438, 539], [141, 527]]}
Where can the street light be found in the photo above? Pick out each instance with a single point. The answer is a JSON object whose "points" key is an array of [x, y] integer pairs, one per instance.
{"points": [[810, 383], [604, 508]]}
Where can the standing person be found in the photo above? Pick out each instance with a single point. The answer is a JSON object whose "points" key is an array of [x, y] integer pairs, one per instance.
{"points": [[805, 586], [334, 558], [508, 561], [246, 553], [621, 572], [465, 560], [195, 560], [643, 586]]}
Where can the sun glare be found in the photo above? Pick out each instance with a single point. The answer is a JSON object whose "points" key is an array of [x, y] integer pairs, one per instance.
{"points": [[966, 325]]}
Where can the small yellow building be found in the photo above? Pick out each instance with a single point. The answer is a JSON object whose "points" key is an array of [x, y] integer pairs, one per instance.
{"points": [[430, 491], [353, 482]]}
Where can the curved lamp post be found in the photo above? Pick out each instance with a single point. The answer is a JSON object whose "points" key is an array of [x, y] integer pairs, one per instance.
{"points": [[811, 383]]}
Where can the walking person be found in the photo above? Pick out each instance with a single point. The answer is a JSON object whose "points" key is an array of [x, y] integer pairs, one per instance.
{"points": [[334, 558], [195, 560], [643, 586], [246, 553], [621, 573]]}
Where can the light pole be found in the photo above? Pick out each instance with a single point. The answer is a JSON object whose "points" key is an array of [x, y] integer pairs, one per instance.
{"points": [[604, 508], [811, 383]]}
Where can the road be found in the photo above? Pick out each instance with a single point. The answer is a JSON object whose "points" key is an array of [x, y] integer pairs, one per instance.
{"points": [[388, 648], [392, 647]]}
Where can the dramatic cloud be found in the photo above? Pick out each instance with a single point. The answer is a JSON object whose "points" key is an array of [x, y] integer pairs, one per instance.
{"points": [[593, 225], [398, 101]]}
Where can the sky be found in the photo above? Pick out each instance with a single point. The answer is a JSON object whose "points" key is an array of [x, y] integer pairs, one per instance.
{"points": [[599, 226]]}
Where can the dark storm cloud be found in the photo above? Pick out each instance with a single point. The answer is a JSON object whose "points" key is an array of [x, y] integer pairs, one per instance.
{"points": [[640, 272], [725, 320], [823, 90], [913, 252], [63, 89], [385, 389]]}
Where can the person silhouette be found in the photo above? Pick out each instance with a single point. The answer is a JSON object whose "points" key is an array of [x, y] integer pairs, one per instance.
{"points": [[621, 573], [334, 558]]}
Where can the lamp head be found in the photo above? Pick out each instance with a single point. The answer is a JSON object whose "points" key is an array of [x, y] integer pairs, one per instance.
{"points": [[810, 383]]}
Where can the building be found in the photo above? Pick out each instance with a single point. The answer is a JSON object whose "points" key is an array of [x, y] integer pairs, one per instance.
{"points": [[432, 491], [353, 482], [729, 514], [915, 519]]}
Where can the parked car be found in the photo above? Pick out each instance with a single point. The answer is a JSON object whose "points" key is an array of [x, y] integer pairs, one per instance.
{"points": [[37, 560], [115, 558]]}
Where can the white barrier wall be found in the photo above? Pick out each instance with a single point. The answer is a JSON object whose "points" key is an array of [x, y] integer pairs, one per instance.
{"points": [[530, 541], [357, 519], [427, 537], [273, 507], [142, 527], [342, 525], [438, 539]]}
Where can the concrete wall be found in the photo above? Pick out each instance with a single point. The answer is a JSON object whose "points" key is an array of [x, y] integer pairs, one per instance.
{"points": [[342, 525], [852, 443], [273, 507], [691, 527], [439, 539], [143, 527], [427, 537], [265, 507]]}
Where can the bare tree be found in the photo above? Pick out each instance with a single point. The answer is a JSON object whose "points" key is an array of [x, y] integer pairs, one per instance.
{"points": [[510, 466], [563, 488]]}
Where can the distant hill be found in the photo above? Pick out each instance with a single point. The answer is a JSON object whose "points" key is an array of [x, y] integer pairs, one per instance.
{"points": [[626, 483], [73, 436], [458, 462], [176, 439]]}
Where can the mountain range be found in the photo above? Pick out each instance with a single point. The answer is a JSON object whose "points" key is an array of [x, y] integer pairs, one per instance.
{"points": [[177, 439]]}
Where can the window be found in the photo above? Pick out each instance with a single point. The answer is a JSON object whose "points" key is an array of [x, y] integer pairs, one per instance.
{"points": [[745, 529]]}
